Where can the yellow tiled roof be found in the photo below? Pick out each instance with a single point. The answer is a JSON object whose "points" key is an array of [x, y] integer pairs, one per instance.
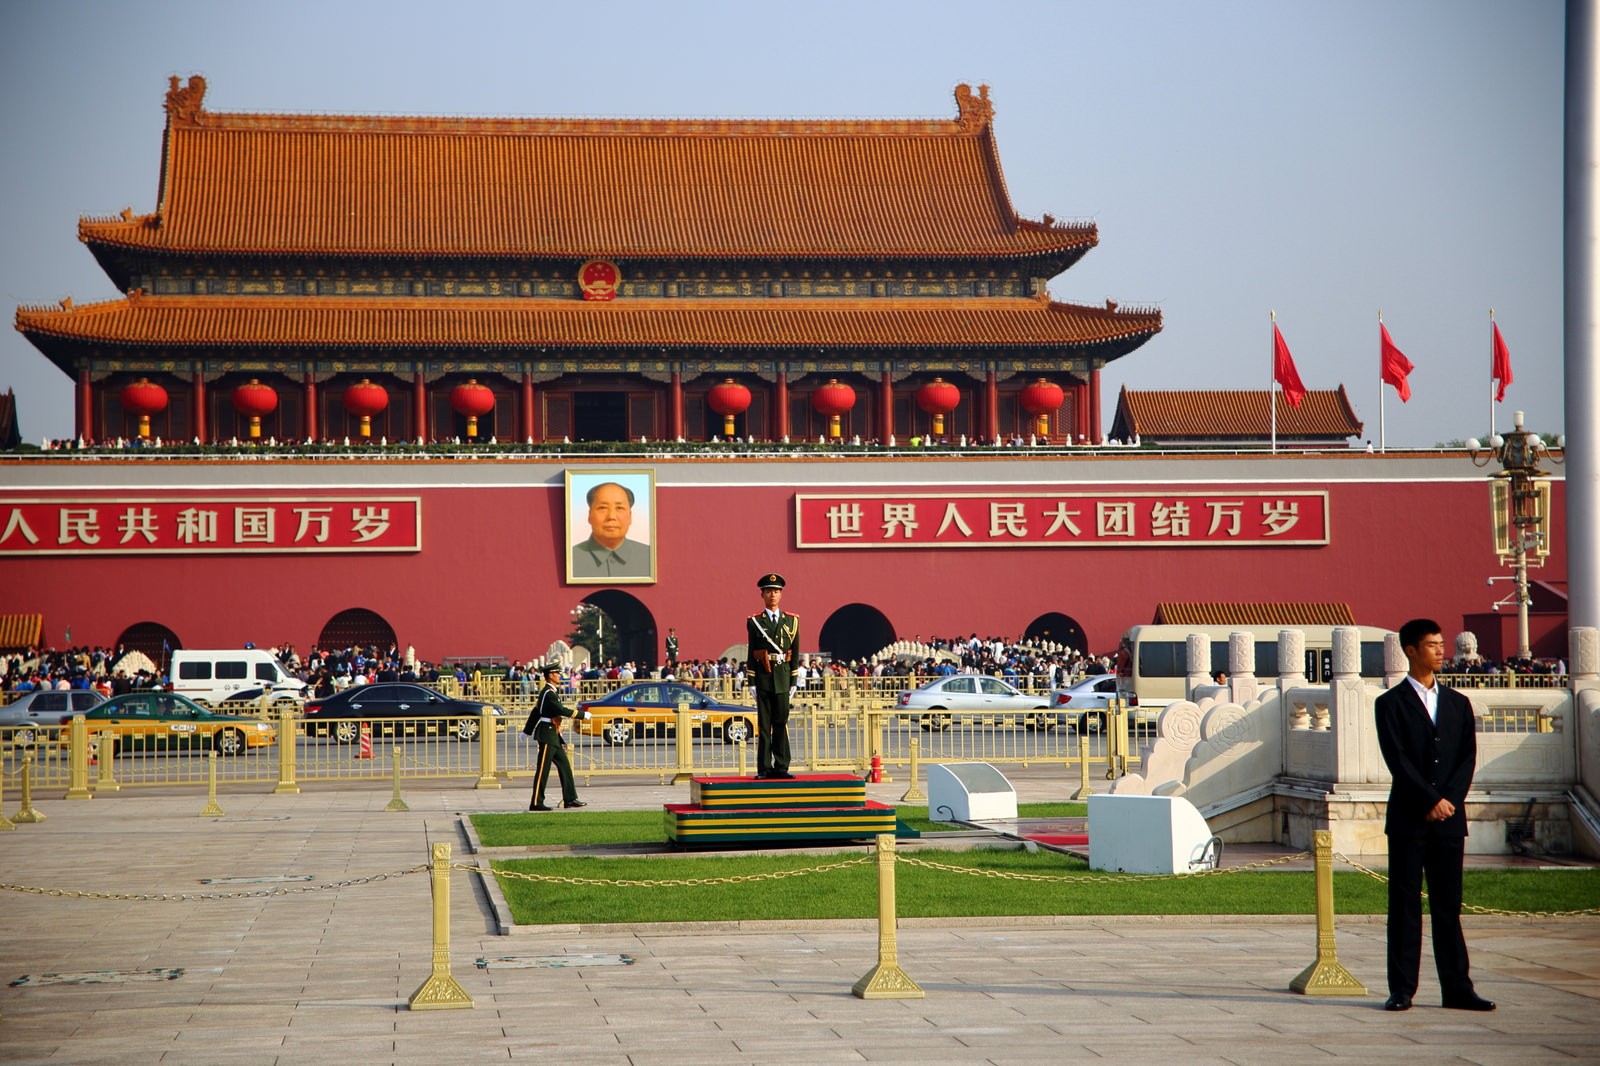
{"points": [[1254, 614], [221, 321], [686, 188], [1227, 413]]}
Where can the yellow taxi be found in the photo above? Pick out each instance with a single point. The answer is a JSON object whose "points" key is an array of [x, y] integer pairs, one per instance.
{"points": [[650, 708], [168, 720]]}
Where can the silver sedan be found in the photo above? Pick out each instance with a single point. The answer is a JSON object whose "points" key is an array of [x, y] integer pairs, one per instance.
{"points": [[966, 693]]}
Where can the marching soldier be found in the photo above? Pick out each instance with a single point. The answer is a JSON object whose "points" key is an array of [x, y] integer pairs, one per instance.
{"points": [[544, 725], [773, 639]]}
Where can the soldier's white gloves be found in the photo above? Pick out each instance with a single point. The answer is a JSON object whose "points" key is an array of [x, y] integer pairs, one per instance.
{"points": [[792, 690]]}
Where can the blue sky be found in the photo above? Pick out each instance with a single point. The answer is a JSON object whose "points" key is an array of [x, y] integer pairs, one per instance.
{"points": [[1324, 160]]}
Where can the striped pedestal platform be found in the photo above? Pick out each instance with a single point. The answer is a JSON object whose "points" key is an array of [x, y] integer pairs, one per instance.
{"points": [[739, 810]]}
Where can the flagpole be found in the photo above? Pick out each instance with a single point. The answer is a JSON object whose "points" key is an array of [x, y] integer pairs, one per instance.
{"points": [[1272, 381], [1491, 372], [1382, 439]]}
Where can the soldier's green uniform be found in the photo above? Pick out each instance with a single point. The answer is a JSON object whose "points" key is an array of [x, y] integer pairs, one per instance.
{"points": [[773, 640]]}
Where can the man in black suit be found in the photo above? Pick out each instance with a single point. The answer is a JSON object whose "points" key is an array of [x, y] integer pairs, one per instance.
{"points": [[1427, 734]]}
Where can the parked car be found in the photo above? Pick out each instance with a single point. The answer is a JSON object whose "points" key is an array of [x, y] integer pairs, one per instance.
{"points": [[393, 708], [964, 693], [650, 708], [168, 720], [22, 717], [1093, 693], [211, 677]]}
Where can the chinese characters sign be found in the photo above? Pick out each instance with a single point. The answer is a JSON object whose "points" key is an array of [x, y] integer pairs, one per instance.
{"points": [[1062, 519], [231, 525]]}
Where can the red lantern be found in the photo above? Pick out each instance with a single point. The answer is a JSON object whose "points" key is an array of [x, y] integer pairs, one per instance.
{"points": [[833, 400], [938, 398], [472, 400], [255, 400], [1039, 399], [728, 398], [365, 400], [144, 398]]}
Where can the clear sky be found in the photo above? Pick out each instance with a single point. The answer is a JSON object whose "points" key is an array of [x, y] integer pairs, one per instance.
{"points": [[1323, 159]]}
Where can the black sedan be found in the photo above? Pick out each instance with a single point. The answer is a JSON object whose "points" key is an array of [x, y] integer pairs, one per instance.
{"points": [[393, 709]]}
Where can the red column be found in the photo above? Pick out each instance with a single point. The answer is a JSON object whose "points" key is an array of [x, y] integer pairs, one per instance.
{"points": [[1094, 405], [991, 406], [197, 407], [85, 405], [526, 404], [780, 399], [886, 407], [419, 405], [309, 407], [675, 406]]}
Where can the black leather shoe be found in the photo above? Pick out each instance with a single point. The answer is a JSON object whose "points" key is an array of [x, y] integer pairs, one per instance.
{"points": [[1470, 1001], [575, 803], [782, 775], [762, 775], [540, 807], [1397, 1003]]}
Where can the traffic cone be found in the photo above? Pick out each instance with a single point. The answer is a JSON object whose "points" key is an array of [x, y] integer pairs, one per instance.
{"points": [[366, 742]]}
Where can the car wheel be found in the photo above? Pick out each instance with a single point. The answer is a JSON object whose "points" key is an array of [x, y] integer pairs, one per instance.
{"points": [[466, 729], [346, 732], [23, 738], [735, 730], [618, 731], [230, 742]]}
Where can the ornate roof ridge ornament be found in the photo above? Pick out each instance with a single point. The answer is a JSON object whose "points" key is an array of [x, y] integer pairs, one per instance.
{"points": [[184, 104], [974, 112]]}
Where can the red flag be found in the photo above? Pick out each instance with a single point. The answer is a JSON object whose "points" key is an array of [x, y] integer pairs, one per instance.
{"points": [[1283, 371], [1500, 364], [1394, 365]]}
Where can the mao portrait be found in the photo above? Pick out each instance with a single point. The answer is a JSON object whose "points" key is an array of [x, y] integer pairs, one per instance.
{"points": [[611, 527]]}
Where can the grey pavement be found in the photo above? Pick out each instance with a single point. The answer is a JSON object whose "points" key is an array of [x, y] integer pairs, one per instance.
{"points": [[323, 976]]}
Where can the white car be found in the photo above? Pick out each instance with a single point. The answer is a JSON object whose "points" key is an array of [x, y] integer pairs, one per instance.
{"points": [[966, 693], [1093, 693]]}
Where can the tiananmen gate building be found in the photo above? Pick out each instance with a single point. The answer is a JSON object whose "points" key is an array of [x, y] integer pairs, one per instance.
{"points": [[562, 296]]}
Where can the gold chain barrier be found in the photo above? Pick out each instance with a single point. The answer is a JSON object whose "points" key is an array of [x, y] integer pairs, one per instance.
{"points": [[886, 980], [440, 991], [1325, 976], [288, 733], [914, 794], [27, 814], [1473, 908], [396, 803], [191, 897]]}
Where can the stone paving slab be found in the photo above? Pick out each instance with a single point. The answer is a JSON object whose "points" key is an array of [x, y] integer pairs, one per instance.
{"points": [[301, 977]]}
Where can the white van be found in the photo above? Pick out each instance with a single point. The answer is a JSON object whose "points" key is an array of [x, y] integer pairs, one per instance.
{"points": [[210, 677]]}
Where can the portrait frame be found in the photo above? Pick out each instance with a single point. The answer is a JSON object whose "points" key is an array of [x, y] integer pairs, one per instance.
{"points": [[587, 560]]}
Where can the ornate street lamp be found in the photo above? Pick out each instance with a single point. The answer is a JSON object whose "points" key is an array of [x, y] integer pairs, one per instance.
{"points": [[1519, 499]]}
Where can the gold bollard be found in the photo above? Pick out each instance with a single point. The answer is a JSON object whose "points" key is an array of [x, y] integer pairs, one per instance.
{"points": [[740, 751], [1085, 789], [5, 823], [211, 810], [288, 751], [886, 980], [685, 738], [1325, 977], [914, 794], [78, 759], [398, 804], [105, 778], [488, 751], [440, 991], [27, 812]]}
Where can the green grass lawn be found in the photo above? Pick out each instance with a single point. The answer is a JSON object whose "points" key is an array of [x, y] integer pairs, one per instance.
{"points": [[650, 827], [1066, 886], [1055, 884]]}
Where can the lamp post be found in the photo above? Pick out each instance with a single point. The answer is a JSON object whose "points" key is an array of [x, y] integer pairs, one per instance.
{"points": [[1519, 497]]}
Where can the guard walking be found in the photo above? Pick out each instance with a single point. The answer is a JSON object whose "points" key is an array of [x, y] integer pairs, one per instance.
{"points": [[773, 640], [544, 725]]}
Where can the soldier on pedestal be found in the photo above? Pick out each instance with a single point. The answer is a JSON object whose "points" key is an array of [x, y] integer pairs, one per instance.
{"points": [[773, 639]]}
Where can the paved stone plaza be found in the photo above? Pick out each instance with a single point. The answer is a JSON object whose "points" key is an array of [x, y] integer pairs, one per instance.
{"points": [[323, 976]]}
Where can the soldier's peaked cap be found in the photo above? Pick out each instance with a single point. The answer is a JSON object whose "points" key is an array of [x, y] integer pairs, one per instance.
{"points": [[770, 581]]}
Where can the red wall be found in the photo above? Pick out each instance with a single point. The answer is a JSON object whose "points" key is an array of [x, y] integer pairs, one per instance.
{"points": [[490, 576]]}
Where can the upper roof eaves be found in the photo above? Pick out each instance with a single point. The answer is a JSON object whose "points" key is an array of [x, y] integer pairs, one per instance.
{"points": [[644, 188]]}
